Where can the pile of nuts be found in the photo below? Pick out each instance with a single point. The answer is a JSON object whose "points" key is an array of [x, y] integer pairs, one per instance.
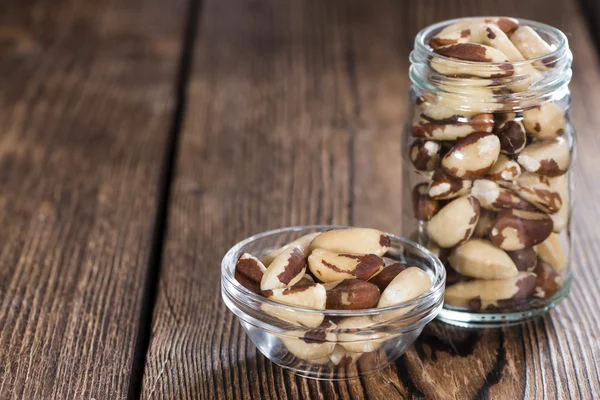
{"points": [[491, 195], [341, 269]]}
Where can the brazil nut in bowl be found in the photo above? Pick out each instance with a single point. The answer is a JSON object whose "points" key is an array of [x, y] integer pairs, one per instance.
{"points": [[331, 302]]}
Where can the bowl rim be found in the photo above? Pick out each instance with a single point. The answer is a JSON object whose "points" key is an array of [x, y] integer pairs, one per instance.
{"points": [[430, 296]]}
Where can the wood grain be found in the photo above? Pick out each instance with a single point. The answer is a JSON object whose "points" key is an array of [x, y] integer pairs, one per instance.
{"points": [[86, 104], [294, 116]]}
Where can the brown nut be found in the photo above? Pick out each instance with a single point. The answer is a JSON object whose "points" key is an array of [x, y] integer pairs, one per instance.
{"points": [[353, 240], [308, 296], [351, 294], [478, 258], [480, 294], [504, 169], [249, 272], [551, 252], [472, 157], [512, 135], [330, 267], [529, 43], [525, 259], [452, 128], [302, 243], [285, 270], [425, 154], [548, 280], [446, 187], [407, 285], [545, 122], [541, 191], [517, 229], [356, 340], [471, 52], [484, 223], [460, 32], [493, 197], [424, 207], [549, 158], [383, 279], [454, 223]]}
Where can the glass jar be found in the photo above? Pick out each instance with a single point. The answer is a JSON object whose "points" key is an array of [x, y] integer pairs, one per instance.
{"points": [[488, 152]]}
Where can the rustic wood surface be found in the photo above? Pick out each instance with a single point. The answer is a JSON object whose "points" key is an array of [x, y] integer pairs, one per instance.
{"points": [[294, 116], [86, 104], [281, 113]]}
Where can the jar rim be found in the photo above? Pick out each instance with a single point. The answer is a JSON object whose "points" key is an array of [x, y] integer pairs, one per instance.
{"points": [[240, 292], [562, 44]]}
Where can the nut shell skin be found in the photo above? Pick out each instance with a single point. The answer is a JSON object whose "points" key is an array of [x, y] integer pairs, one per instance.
{"points": [[446, 187], [307, 296], [525, 259], [512, 135], [545, 122], [504, 169], [425, 154], [452, 128], [328, 266], [517, 229], [541, 191], [249, 272], [285, 270], [549, 158]]}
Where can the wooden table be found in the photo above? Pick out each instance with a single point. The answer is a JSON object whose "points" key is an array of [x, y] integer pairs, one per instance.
{"points": [[142, 138]]}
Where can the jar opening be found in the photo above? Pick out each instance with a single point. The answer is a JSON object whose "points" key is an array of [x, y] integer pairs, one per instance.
{"points": [[487, 85]]}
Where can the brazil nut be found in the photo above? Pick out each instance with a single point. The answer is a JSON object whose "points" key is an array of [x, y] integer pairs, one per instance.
{"points": [[545, 122], [517, 229], [407, 285], [493, 197], [249, 272], [512, 135], [504, 169], [455, 222], [445, 187], [541, 191], [329, 266], [478, 258], [312, 296], [285, 270], [461, 32], [548, 280], [484, 223], [561, 217], [354, 336], [552, 252], [529, 43], [314, 345], [351, 294], [424, 207], [525, 259], [302, 243], [342, 357], [452, 128], [480, 294], [472, 157], [549, 158], [472, 52], [425, 154], [353, 240]]}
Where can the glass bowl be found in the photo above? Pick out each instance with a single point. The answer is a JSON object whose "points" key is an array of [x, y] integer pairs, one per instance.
{"points": [[349, 343]]}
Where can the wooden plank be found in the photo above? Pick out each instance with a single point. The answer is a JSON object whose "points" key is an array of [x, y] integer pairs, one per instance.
{"points": [[86, 106], [295, 116]]}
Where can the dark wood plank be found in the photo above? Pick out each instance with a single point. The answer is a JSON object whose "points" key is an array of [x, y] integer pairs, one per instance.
{"points": [[295, 116], [86, 106]]}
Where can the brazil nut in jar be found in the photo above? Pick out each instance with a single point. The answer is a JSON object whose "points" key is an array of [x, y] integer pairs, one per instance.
{"points": [[488, 154]]}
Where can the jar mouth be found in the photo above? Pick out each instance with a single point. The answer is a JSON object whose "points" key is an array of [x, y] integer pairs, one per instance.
{"points": [[472, 86], [559, 42], [420, 306]]}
